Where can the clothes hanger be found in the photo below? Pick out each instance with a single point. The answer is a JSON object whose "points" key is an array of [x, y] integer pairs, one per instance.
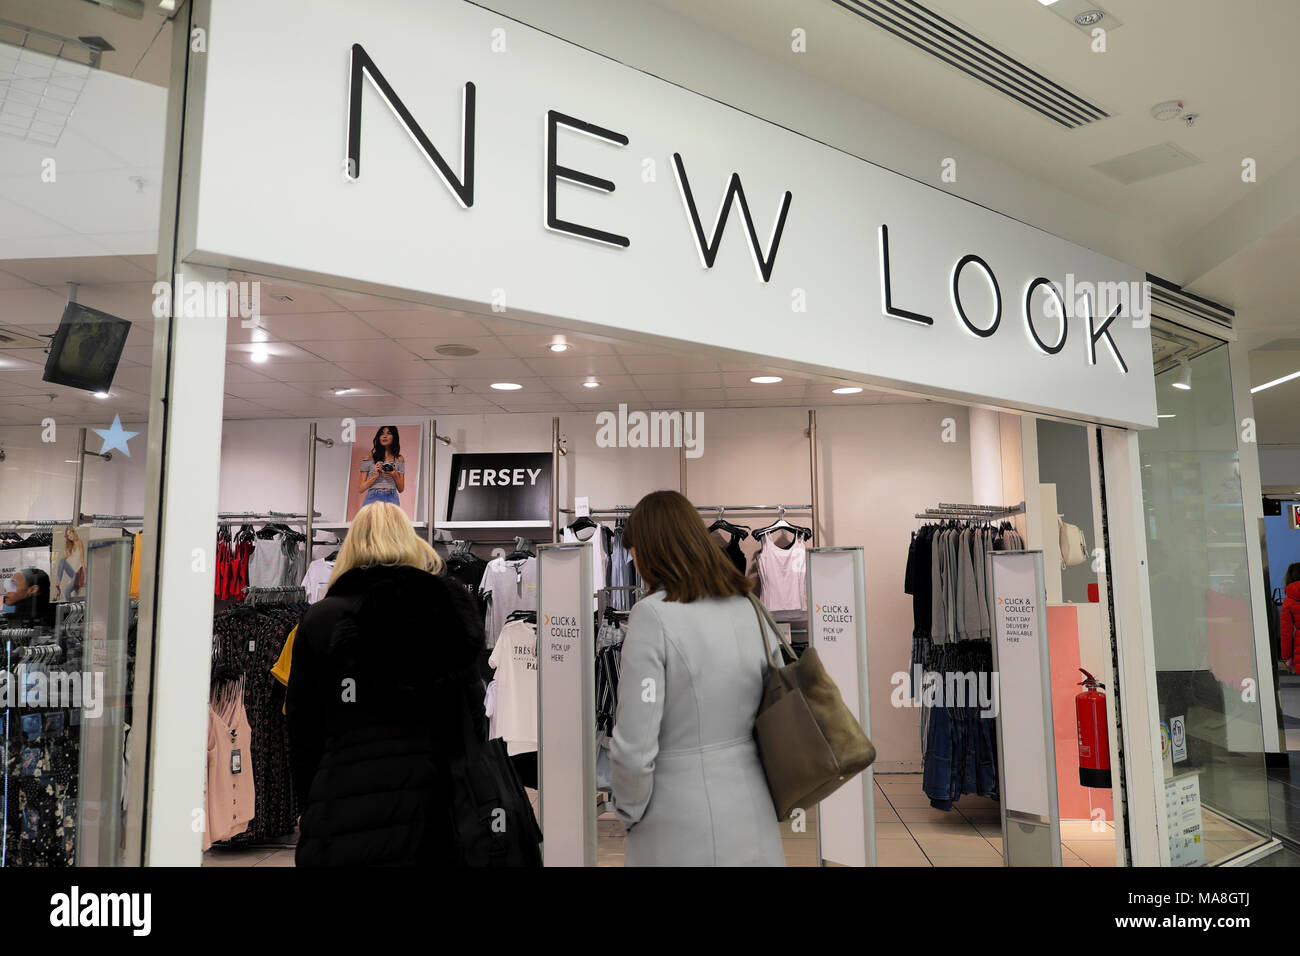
{"points": [[582, 524], [522, 615], [522, 550]]}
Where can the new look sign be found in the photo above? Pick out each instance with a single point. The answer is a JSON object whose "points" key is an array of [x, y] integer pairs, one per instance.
{"points": [[437, 148]]}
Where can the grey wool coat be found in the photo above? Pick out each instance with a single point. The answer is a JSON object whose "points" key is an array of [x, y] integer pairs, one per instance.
{"points": [[686, 775]]}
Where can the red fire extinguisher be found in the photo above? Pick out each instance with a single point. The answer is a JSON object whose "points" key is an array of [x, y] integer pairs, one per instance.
{"points": [[1094, 741]]}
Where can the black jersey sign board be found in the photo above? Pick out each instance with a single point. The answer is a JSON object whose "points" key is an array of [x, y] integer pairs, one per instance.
{"points": [[502, 486]]}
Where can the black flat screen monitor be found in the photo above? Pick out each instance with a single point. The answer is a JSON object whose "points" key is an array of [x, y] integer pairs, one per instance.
{"points": [[86, 348]]}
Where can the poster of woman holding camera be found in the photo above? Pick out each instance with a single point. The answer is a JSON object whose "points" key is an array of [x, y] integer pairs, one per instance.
{"points": [[379, 473]]}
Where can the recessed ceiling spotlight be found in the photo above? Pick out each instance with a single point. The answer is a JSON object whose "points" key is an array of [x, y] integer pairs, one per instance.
{"points": [[1047, 3], [1089, 17], [101, 394], [559, 345], [344, 391], [260, 355], [766, 379], [849, 389], [456, 351], [506, 386], [1166, 416], [591, 384]]}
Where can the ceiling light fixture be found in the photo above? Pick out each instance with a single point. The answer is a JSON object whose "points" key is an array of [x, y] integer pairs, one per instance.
{"points": [[1276, 381], [1184, 379], [1166, 416], [854, 389], [506, 386], [344, 391], [1089, 17], [260, 355], [101, 394], [1047, 3], [766, 379], [591, 384]]}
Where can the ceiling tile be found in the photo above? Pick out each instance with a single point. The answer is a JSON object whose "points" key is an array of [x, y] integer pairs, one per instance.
{"points": [[652, 364], [309, 372], [410, 370], [575, 366], [300, 328], [424, 324], [488, 346], [539, 344], [279, 354], [364, 351], [32, 306], [682, 380], [89, 270], [510, 370]]}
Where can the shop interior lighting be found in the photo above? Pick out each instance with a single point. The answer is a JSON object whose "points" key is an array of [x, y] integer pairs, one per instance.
{"points": [[559, 345], [344, 391], [1276, 381], [591, 384], [766, 379], [260, 355], [1047, 3], [506, 386], [1166, 416], [1184, 379], [101, 395], [854, 389]]}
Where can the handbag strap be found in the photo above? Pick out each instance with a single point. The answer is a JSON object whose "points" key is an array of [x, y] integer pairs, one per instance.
{"points": [[765, 615]]}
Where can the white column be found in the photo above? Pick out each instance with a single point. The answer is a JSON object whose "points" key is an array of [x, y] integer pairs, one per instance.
{"points": [[1253, 506], [1144, 774], [182, 478]]}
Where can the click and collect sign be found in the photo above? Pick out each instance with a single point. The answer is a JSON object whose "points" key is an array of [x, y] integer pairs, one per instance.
{"points": [[837, 628], [500, 487], [1026, 750], [566, 704]]}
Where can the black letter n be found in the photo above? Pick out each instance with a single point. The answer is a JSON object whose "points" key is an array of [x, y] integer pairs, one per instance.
{"points": [[463, 190]]}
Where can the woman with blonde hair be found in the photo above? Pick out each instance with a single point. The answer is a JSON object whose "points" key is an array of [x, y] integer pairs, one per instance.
{"points": [[382, 688]]}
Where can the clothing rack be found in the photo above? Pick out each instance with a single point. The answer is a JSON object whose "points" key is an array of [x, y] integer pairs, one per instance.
{"points": [[274, 517], [986, 512], [41, 525], [277, 595], [622, 511], [602, 598]]}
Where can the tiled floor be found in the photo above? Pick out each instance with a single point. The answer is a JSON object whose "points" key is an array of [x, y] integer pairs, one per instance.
{"points": [[909, 832]]}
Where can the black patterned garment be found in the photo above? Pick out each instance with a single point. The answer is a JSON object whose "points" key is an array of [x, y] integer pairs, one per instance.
{"points": [[248, 640]]}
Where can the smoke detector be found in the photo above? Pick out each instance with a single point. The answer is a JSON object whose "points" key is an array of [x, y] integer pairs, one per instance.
{"points": [[1169, 109]]}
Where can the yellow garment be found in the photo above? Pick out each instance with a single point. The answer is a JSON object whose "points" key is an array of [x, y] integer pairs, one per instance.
{"points": [[136, 548], [281, 669]]}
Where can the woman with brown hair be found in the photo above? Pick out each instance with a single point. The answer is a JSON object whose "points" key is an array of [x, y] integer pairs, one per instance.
{"points": [[687, 779]]}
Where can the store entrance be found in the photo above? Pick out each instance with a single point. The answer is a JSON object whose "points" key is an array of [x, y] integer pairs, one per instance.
{"points": [[777, 462]]}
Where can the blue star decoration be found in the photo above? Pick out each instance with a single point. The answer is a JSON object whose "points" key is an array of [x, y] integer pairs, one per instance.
{"points": [[115, 437]]}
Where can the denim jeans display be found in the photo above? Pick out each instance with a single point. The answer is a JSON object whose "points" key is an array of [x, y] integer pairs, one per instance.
{"points": [[960, 741]]}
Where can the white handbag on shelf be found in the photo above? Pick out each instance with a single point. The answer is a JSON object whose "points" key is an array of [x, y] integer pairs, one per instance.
{"points": [[1073, 550]]}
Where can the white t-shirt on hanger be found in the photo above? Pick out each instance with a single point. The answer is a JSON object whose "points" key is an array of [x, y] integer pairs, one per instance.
{"points": [[513, 587], [515, 661], [316, 581]]}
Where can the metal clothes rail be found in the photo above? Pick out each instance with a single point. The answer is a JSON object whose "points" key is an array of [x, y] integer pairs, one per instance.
{"points": [[949, 510]]}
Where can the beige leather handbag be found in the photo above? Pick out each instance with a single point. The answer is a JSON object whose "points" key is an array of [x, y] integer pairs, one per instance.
{"points": [[809, 742]]}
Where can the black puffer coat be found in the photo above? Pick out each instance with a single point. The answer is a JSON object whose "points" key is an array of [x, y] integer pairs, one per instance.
{"points": [[382, 691]]}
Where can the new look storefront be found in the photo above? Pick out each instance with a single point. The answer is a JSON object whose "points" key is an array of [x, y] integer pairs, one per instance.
{"points": [[445, 156]]}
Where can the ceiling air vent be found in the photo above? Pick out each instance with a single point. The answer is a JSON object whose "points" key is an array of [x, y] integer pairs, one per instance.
{"points": [[456, 351], [964, 51]]}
